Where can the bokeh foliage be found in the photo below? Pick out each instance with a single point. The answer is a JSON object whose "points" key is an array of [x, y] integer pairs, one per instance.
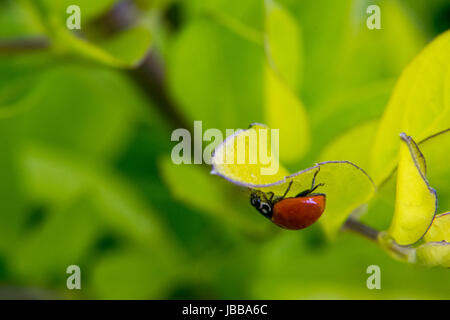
{"points": [[85, 173]]}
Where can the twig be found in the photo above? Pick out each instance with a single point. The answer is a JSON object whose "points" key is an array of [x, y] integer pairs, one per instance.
{"points": [[24, 45], [368, 232], [403, 253]]}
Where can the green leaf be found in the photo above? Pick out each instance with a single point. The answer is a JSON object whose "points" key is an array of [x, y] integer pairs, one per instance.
{"points": [[68, 104], [13, 200], [433, 254], [63, 239], [283, 44], [346, 186], [244, 165], [285, 111], [56, 178], [20, 79], [205, 75], [440, 229], [353, 145], [435, 151], [343, 110], [244, 18], [419, 105], [205, 193], [416, 202], [125, 50], [18, 20], [354, 56], [134, 273]]}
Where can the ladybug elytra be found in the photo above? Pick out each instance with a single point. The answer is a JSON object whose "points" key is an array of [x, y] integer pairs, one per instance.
{"points": [[291, 213]]}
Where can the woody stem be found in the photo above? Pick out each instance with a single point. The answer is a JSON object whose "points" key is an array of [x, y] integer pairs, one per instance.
{"points": [[362, 229], [400, 252]]}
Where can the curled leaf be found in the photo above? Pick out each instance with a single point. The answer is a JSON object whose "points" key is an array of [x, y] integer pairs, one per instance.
{"points": [[249, 158], [419, 105], [440, 229], [416, 201], [346, 186], [434, 254]]}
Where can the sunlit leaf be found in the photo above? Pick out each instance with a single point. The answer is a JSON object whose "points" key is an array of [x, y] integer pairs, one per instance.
{"points": [[353, 145], [286, 112], [435, 151], [419, 105], [416, 202], [440, 229], [434, 254], [346, 186], [283, 108], [246, 146], [283, 44]]}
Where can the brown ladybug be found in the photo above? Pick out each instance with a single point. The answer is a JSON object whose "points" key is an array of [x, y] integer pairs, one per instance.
{"points": [[291, 213]]}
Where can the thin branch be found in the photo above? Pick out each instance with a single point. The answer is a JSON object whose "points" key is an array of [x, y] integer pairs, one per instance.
{"points": [[364, 230], [403, 253], [24, 45]]}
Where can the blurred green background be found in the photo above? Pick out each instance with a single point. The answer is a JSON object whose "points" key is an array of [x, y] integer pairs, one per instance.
{"points": [[85, 143]]}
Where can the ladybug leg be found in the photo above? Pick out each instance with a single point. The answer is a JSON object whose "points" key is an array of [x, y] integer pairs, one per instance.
{"points": [[303, 193], [271, 196], [287, 190], [314, 179], [313, 186]]}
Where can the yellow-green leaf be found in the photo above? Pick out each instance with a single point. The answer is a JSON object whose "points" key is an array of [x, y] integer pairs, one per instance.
{"points": [[283, 43], [419, 105], [238, 157], [116, 52], [416, 201], [440, 229], [285, 111], [346, 186], [283, 108], [435, 151], [354, 145], [432, 254]]}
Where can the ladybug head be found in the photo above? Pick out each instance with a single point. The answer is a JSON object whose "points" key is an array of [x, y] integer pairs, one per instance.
{"points": [[263, 206]]}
